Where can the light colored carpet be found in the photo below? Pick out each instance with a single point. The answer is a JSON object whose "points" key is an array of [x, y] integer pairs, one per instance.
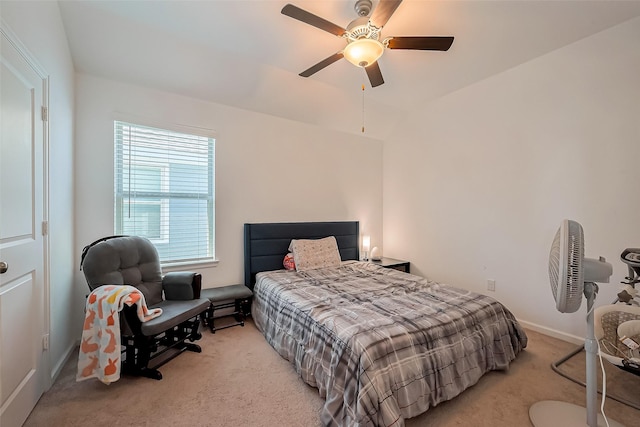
{"points": [[239, 379]]}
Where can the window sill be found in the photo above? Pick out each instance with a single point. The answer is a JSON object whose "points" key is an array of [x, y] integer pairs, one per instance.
{"points": [[181, 266]]}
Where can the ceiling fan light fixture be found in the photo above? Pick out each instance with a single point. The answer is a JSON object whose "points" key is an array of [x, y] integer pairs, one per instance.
{"points": [[363, 52], [362, 36]]}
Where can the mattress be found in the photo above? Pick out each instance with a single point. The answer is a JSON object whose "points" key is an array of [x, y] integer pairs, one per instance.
{"points": [[379, 344]]}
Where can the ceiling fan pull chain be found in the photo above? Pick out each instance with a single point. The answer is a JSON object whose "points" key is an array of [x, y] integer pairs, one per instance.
{"points": [[362, 107]]}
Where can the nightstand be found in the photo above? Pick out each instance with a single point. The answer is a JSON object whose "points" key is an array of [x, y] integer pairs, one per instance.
{"points": [[396, 264]]}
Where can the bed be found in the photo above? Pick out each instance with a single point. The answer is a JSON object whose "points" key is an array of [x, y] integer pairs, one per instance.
{"points": [[379, 344]]}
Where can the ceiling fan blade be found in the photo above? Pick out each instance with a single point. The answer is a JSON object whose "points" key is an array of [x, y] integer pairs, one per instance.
{"points": [[421, 43], [383, 12], [374, 74], [309, 18], [322, 64]]}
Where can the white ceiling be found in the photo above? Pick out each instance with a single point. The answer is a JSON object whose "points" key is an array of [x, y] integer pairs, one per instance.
{"points": [[246, 54]]}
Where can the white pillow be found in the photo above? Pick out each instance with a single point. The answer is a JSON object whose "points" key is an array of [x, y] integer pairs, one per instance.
{"points": [[318, 253]]}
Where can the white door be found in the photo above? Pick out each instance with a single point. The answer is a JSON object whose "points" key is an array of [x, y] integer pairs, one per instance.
{"points": [[22, 327]]}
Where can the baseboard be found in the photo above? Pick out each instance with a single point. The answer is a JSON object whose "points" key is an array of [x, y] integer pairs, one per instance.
{"points": [[55, 372], [552, 332]]}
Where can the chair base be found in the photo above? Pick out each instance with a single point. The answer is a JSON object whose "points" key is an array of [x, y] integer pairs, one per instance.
{"points": [[144, 355]]}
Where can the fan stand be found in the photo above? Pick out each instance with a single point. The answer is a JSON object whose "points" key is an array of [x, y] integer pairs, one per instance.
{"points": [[550, 413], [632, 280]]}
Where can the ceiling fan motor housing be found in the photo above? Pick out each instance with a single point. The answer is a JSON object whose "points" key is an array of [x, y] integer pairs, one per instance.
{"points": [[363, 7], [361, 28]]}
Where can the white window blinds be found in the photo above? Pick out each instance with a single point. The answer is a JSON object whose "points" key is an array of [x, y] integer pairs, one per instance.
{"points": [[164, 190]]}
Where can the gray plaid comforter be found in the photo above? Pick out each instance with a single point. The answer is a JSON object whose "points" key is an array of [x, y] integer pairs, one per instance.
{"points": [[381, 345]]}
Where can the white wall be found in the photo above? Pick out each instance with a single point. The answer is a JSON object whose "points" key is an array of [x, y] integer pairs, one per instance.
{"points": [[38, 25], [476, 184], [267, 169]]}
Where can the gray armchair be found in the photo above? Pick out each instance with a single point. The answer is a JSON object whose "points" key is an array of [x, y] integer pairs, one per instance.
{"points": [[133, 260]]}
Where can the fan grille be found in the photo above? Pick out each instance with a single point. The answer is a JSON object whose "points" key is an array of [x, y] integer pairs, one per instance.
{"points": [[565, 266]]}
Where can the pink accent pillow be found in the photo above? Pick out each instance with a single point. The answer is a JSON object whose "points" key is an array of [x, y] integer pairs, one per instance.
{"points": [[288, 262]]}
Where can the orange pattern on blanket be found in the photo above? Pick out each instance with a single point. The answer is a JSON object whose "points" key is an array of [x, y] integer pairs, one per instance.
{"points": [[111, 347], [90, 316], [100, 346], [111, 367], [93, 364], [110, 320], [88, 348]]}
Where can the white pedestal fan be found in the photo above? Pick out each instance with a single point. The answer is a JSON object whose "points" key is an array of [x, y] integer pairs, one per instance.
{"points": [[571, 275]]}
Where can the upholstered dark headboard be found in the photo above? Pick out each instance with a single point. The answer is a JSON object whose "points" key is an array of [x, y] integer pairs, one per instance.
{"points": [[265, 245]]}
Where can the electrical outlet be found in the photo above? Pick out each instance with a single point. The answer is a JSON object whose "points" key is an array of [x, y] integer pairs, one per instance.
{"points": [[491, 285]]}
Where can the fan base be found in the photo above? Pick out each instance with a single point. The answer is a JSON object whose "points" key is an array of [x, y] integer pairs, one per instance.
{"points": [[549, 413]]}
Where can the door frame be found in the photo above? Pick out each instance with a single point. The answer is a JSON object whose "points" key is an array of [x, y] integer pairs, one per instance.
{"points": [[11, 36]]}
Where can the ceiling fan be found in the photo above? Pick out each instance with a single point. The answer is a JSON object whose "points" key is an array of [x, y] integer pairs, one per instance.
{"points": [[364, 47]]}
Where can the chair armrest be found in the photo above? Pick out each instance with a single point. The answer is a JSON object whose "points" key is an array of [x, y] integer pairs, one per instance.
{"points": [[182, 285]]}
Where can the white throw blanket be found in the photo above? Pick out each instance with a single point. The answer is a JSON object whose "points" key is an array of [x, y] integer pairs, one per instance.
{"points": [[100, 347]]}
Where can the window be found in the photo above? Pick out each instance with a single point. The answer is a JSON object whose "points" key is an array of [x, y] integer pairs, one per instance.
{"points": [[164, 190]]}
